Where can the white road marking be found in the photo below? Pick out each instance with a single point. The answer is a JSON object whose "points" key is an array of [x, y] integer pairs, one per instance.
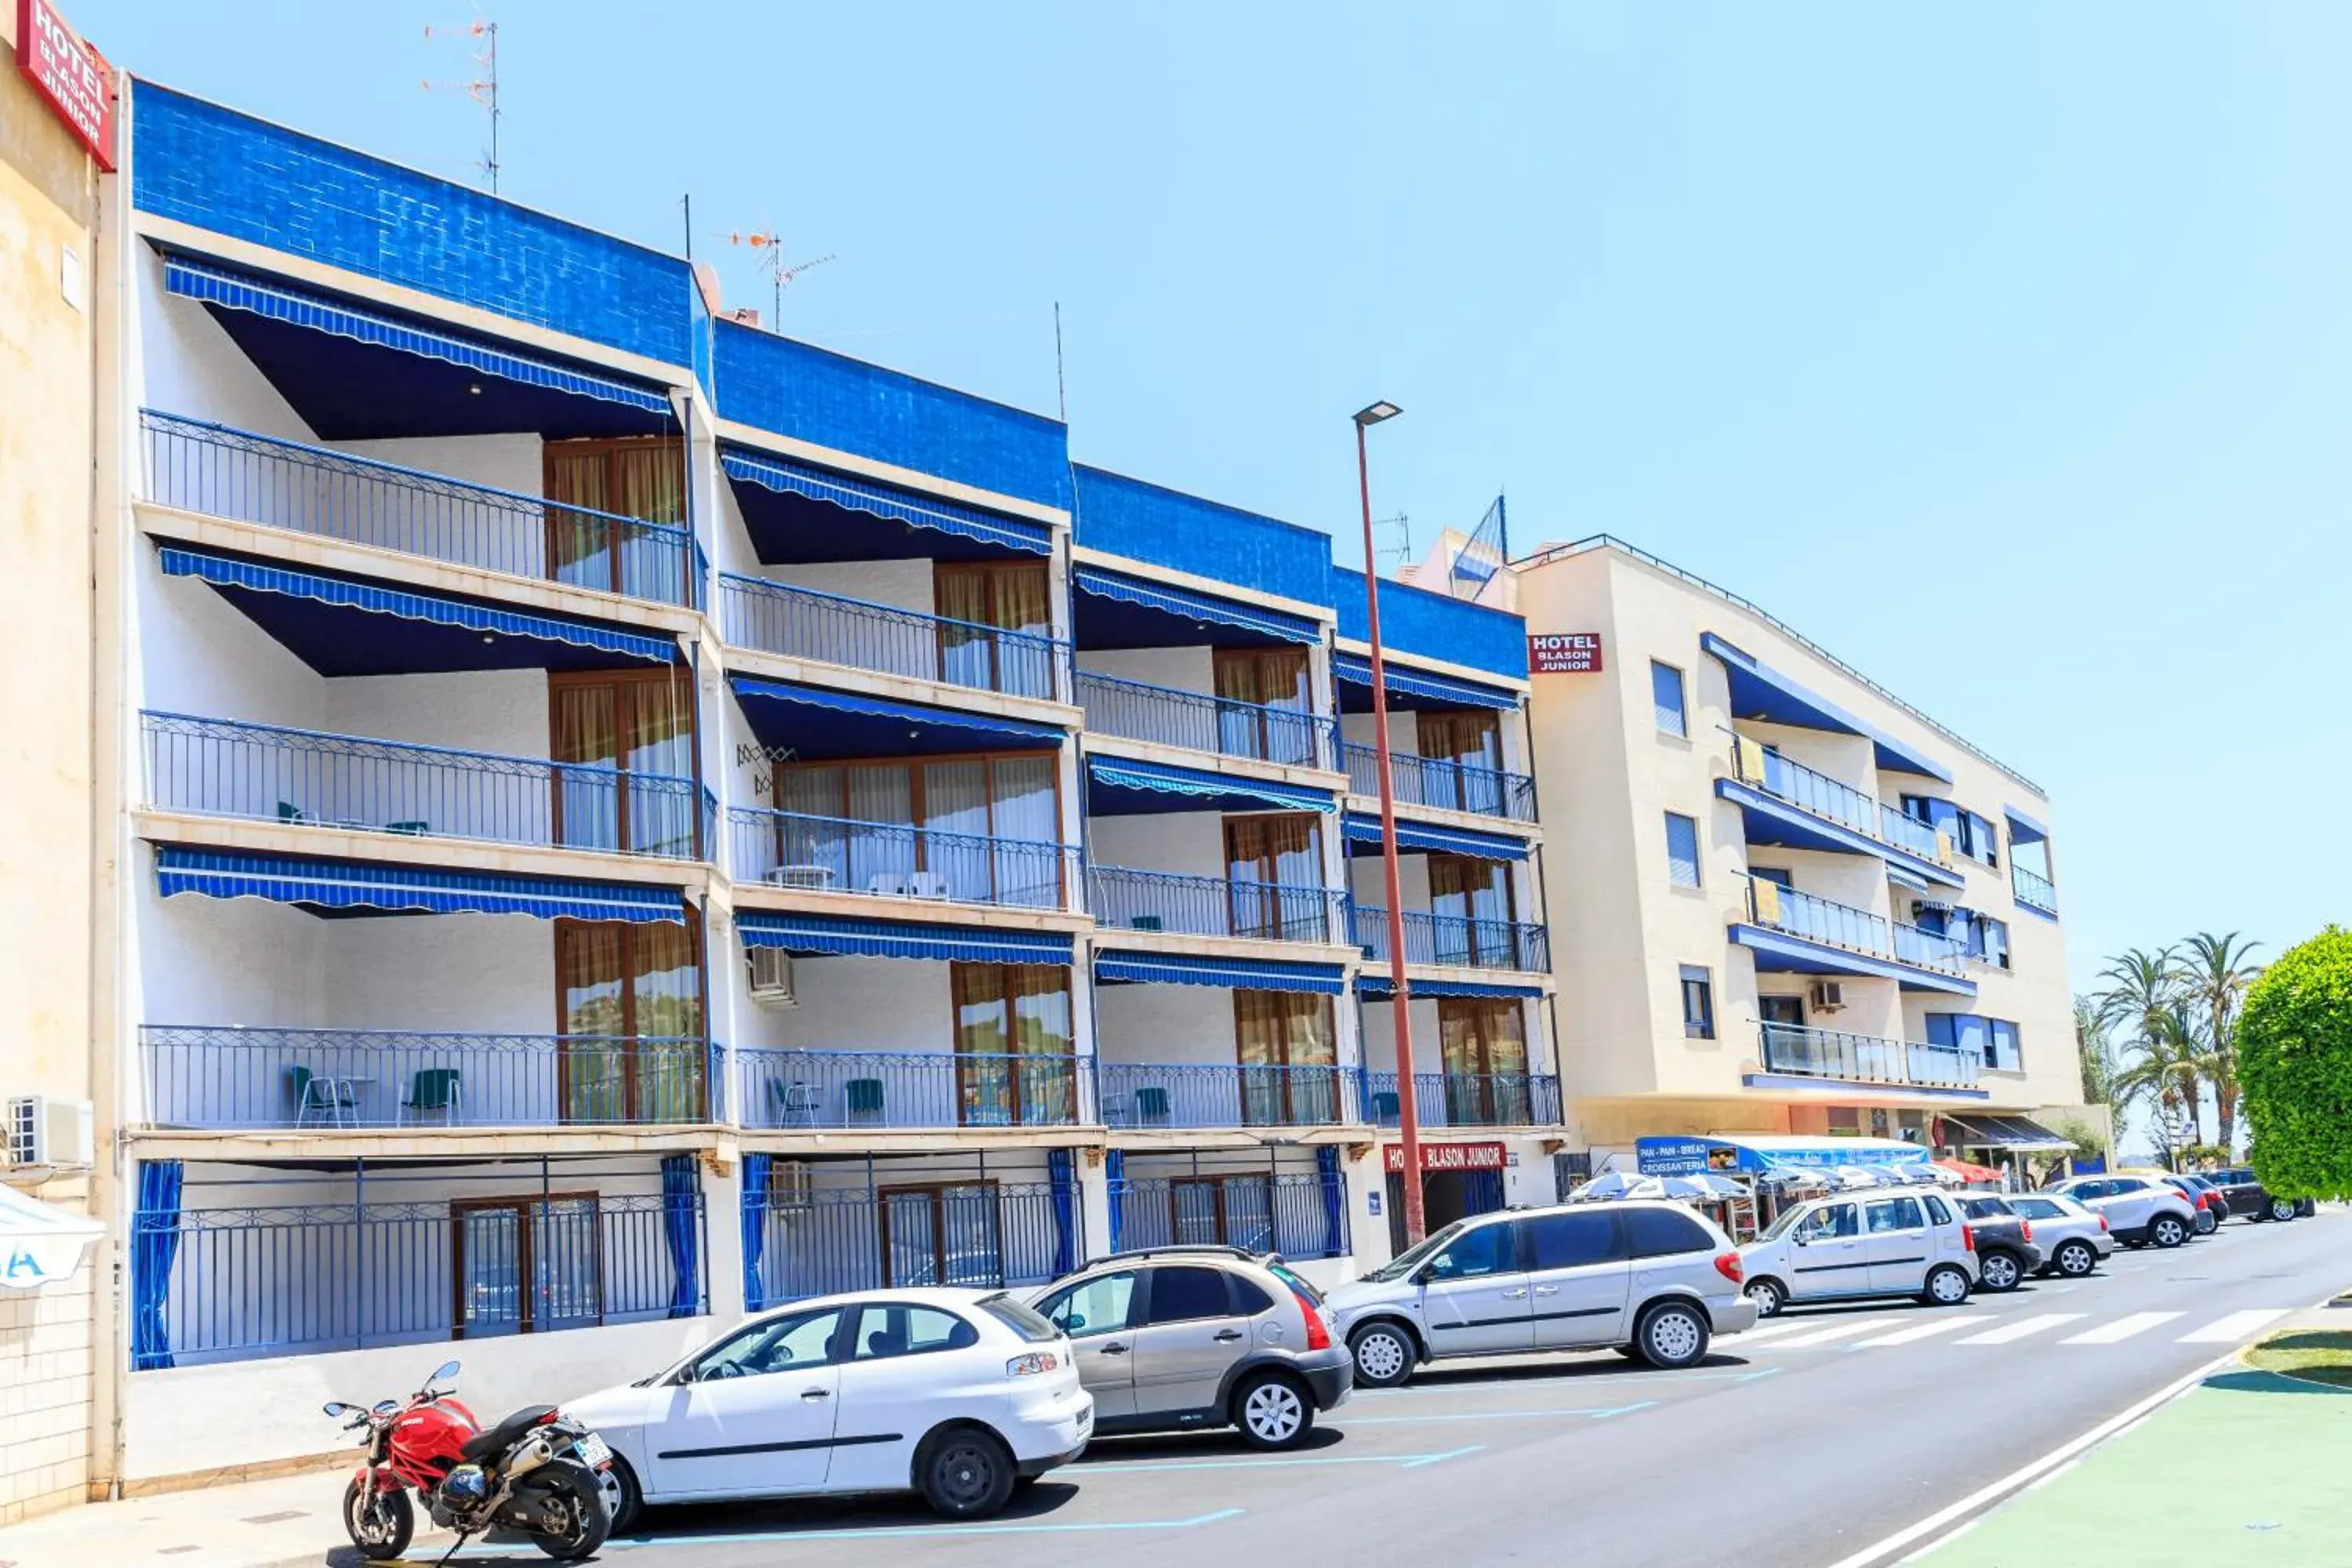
{"points": [[1780, 1326], [1835, 1332], [1925, 1330], [2229, 1329], [2123, 1327], [2022, 1327]]}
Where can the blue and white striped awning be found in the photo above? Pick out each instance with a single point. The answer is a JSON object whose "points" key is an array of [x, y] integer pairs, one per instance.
{"points": [[1127, 773], [351, 885], [1358, 672], [1232, 973], [235, 572], [832, 934], [283, 301], [1021, 731], [1423, 836], [1201, 608], [1370, 984], [786, 477]]}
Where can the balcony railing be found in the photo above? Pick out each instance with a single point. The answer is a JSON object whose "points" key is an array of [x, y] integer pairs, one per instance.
{"points": [[977, 1232], [1455, 939], [836, 854], [1831, 799], [1843, 926], [1908, 833], [800, 623], [324, 1079], [1466, 1099], [1295, 1215], [221, 767], [2033, 888], [1442, 783], [1805, 1052], [1126, 900], [1200, 722], [1163, 1094], [786, 1087], [225, 472]]}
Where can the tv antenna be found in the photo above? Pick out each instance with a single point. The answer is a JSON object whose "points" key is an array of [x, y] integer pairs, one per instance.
{"points": [[484, 89], [1402, 549], [768, 247]]}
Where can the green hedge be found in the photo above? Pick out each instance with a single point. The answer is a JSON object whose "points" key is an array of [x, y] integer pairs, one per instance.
{"points": [[2294, 1063]]}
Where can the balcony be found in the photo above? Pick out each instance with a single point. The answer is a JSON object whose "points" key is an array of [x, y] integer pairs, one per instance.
{"points": [[1150, 1095], [1455, 940], [828, 854], [1126, 900], [229, 473], [1198, 723], [1466, 1099], [1803, 1052], [800, 623], [1833, 802], [251, 1080], [1444, 784], [1877, 945], [218, 767], [2031, 889], [791, 1089]]}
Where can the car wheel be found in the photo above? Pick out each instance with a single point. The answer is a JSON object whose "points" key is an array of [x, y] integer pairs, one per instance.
{"points": [[624, 1498], [1947, 1285], [2168, 1230], [379, 1525], [1273, 1412], [1999, 1273], [2075, 1259], [1672, 1335], [2282, 1209], [964, 1473], [1769, 1298], [1384, 1355]]}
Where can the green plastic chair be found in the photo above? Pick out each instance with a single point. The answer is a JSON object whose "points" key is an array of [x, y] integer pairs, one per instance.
{"points": [[313, 1096], [1384, 1105], [862, 1098], [435, 1089], [1152, 1103]]}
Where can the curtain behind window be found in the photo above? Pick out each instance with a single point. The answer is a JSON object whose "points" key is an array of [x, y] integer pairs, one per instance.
{"points": [[587, 734]]}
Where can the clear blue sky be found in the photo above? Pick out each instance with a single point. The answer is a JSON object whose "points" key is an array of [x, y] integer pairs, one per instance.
{"points": [[2000, 348]]}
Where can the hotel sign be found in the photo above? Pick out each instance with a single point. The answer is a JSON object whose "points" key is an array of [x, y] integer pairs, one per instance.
{"points": [[1451, 1157], [72, 75], [1563, 653]]}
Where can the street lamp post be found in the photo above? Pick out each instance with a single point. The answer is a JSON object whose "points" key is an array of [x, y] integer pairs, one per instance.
{"points": [[1416, 1223]]}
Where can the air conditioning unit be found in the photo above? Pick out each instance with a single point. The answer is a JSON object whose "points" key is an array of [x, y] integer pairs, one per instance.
{"points": [[791, 1185], [46, 1131], [1829, 997], [772, 977]]}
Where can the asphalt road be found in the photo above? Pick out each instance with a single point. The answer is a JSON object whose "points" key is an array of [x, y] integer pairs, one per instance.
{"points": [[1793, 1447]]}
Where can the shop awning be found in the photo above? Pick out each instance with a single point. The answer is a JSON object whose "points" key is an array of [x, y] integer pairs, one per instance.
{"points": [[40, 1243], [1352, 670], [1122, 783], [816, 935], [1371, 985], [1234, 974], [1756, 1152], [340, 627], [1760, 691], [2007, 1135], [1202, 609], [817, 723], [1366, 830], [876, 498], [361, 888]]}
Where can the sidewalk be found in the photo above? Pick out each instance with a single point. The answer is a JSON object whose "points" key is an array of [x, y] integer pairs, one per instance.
{"points": [[255, 1524]]}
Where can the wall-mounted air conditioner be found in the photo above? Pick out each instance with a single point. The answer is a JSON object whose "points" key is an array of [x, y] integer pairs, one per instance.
{"points": [[44, 1130], [791, 1185], [1829, 997], [772, 977]]}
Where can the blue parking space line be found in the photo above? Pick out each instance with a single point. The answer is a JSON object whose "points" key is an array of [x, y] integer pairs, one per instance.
{"points": [[1597, 1412], [1439, 1459], [1271, 1462], [884, 1532]]}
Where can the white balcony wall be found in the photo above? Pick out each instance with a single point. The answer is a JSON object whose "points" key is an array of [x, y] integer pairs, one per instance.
{"points": [[191, 367], [513, 462], [1367, 882], [1188, 1026], [901, 584], [1191, 842], [853, 1004], [1180, 669], [200, 655], [1857, 881], [1851, 759]]}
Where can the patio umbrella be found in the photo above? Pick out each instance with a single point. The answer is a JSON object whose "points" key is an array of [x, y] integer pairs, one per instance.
{"points": [[1702, 1184], [1796, 1176], [1609, 1185], [1967, 1171], [1852, 1178]]}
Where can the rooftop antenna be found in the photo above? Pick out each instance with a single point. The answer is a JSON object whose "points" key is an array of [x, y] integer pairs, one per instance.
{"points": [[768, 246], [1403, 550], [1061, 382], [484, 89]]}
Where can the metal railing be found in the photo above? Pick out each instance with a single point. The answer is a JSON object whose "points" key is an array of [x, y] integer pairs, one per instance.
{"points": [[1294, 1214], [1807, 1052], [222, 768], [841, 855], [1856, 930], [1834, 800], [221, 471], [1466, 1099], [1442, 783], [2033, 888], [1906, 832], [1455, 940], [801, 623], [1123, 899], [229, 1077], [793, 1087], [973, 1233], [1163, 1094], [1201, 723]]}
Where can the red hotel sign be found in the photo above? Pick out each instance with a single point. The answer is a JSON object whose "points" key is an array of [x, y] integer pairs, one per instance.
{"points": [[1563, 653], [72, 75], [1451, 1157]]}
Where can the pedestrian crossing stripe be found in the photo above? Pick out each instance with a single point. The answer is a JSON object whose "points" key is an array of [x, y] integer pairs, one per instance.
{"points": [[2123, 1327], [1888, 1329], [2024, 1327]]}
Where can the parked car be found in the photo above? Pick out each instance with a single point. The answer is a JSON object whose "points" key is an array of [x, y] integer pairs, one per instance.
{"points": [[2139, 1211], [2073, 1238], [1857, 1245], [957, 1395], [1651, 1278], [2006, 1252], [2212, 1207], [2249, 1197], [1185, 1337]]}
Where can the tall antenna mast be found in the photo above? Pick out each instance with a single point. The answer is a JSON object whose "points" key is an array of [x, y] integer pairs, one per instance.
{"points": [[1061, 382], [769, 246], [484, 89]]}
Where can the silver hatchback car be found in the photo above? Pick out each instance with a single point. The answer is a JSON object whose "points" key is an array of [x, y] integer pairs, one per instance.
{"points": [[1175, 1337]]}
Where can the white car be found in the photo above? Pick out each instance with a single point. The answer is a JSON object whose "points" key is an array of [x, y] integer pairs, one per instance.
{"points": [[957, 1395], [2139, 1211], [1899, 1243], [2071, 1236]]}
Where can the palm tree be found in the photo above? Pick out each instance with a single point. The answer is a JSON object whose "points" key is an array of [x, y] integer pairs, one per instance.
{"points": [[2096, 1051], [2143, 990], [2166, 1065], [2217, 974]]}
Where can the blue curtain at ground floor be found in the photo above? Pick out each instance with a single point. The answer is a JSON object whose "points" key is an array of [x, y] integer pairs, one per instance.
{"points": [[154, 1244], [1482, 1192], [1335, 1191], [755, 1230], [680, 1189], [1058, 1167], [1115, 1181]]}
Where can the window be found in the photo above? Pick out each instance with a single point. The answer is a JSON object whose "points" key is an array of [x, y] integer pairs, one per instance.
{"points": [[1895, 1213], [1936, 1209], [1014, 1066], [1829, 1224], [1473, 910], [1186, 1295], [777, 1345], [641, 477], [1248, 1300], [1787, 1011], [1483, 1046], [2001, 1046], [1780, 877], [524, 1265], [1474, 1253], [1667, 694], [1574, 1241], [1992, 941], [1019, 1317], [609, 725], [1274, 868], [956, 827], [1096, 1306], [1661, 1233], [1970, 834], [629, 1006], [2123, 1185], [1698, 1003], [1248, 682], [1288, 1056], [1682, 850], [1471, 744], [942, 1234], [888, 1331], [1207, 1211], [981, 599]]}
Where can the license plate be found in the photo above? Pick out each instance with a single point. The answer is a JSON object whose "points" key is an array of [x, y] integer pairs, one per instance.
{"points": [[594, 1451], [1085, 1420]]}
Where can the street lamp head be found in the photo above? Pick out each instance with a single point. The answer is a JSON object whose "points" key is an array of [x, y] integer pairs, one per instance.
{"points": [[1378, 411]]}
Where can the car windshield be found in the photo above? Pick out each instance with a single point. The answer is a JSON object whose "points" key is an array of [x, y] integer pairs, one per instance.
{"points": [[1020, 1318], [1779, 1227], [1412, 1257], [2037, 1208]]}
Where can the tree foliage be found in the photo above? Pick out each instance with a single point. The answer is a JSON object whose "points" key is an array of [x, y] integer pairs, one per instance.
{"points": [[2294, 1067]]}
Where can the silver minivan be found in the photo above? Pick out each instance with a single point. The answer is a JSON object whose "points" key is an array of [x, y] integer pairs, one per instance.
{"points": [[1902, 1242], [1654, 1280]]}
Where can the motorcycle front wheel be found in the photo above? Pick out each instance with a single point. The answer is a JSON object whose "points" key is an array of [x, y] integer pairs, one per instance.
{"points": [[379, 1523], [575, 1503]]}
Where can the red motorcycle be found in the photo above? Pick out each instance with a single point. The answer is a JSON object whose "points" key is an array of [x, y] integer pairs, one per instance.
{"points": [[537, 1471]]}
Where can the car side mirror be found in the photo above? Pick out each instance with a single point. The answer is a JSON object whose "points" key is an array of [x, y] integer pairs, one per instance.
{"points": [[1073, 1323], [1424, 1274]]}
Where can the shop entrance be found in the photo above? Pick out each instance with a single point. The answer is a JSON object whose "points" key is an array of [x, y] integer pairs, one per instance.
{"points": [[1446, 1196]]}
